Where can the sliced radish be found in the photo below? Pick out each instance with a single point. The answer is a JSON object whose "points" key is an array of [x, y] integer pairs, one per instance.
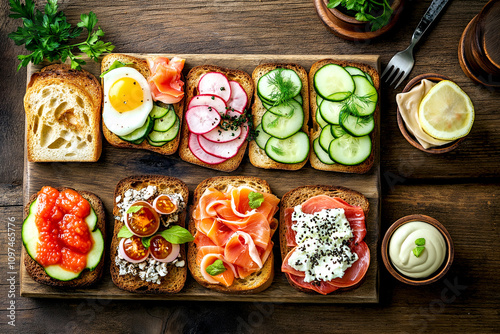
{"points": [[219, 135], [224, 150], [213, 101], [238, 99], [123, 254], [215, 83], [202, 119], [234, 113], [198, 152]]}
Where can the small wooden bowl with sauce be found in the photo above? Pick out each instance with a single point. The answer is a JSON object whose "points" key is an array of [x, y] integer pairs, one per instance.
{"points": [[402, 126], [438, 274]]}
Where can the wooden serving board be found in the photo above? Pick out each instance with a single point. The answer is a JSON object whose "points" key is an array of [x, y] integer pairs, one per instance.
{"points": [[116, 163]]}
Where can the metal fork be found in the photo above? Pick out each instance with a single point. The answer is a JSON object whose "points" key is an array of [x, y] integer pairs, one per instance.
{"points": [[402, 62]]}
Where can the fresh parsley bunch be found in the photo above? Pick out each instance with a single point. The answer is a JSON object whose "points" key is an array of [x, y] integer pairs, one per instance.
{"points": [[364, 10], [48, 34]]}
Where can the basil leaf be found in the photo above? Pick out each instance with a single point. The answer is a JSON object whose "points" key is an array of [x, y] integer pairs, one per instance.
{"points": [[124, 232], [420, 242], [134, 208], [177, 235], [146, 241], [417, 251], [116, 64], [216, 268], [255, 199]]}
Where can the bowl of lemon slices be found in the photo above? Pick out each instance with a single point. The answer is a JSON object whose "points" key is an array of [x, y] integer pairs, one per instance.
{"points": [[434, 114]]}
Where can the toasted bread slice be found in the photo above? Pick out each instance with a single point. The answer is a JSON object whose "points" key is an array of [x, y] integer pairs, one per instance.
{"points": [[142, 66], [87, 277], [174, 281], [366, 165], [63, 114], [299, 195], [192, 80], [258, 156], [257, 281]]}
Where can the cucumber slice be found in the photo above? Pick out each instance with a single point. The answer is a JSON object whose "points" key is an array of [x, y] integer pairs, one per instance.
{"points": [[164, 137], [337, 131], [262, 137], [264, 100], [330, 111], [267, 88], [299, 98], [166, 122], [356, 126], [354, 70], [291, 150], [97, 251], [156, 144], [287, 108], [266, 105], [322, 155], [333, 82], [319, 99], [365, 96], [369, 78], [320, 120], [91, 220], [159, 112], [140, 133], [280, 126], [326, 137], [349, 150]]}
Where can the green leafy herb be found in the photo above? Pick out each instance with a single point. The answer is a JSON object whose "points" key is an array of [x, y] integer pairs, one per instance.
{"points": [[417, 251], [378, 13], [420, 242], [277, 150], [255, 199], [177, 235], [146, 241], [283, 89], [134, 208], [48, 35], [216, 268], [116, 64], [234, 122], [124, 232]]}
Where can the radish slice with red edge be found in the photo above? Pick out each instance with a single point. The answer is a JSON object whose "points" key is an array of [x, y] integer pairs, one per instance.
{"points": [[157, 246], [239, 98], [123, 254], [224, 150], [213, 101], [234, 113], [219, 135], [194, 147], [202, 119], [215, 83]]}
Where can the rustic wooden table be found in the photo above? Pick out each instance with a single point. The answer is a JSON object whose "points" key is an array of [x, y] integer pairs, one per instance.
{"points": [[460, 189]]}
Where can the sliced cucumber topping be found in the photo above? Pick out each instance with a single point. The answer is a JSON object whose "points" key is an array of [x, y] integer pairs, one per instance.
{"points": [[91, 220], [320, 120], [97, 251], [282, 126], [269, 86], [287, 108], [140, 133], [330, 111], [266, 104], [156, 144], [349, 150], [326, 137], [333, 82], [262, 137], [337, 131], [163, 137], [291, 150], [322, 155], [299, 98], [159, 112], [365, 96], [356, 126], [164, 123], [354, 70], [369, 78]]}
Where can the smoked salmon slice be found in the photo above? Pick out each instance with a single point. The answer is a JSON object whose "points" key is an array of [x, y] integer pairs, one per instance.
{"points": [[165, 79]]}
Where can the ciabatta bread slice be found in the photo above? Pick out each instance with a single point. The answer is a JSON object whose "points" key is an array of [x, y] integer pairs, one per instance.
{"points": [[366, 165], [174, 281], [87, 277], [257, 281], [258, 156], [191, 91], [63, 115], [140, 65]]}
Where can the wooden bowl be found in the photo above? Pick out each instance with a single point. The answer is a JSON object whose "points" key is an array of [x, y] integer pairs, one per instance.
{"points": [[347, 27], [402, 126], [414, 281]]}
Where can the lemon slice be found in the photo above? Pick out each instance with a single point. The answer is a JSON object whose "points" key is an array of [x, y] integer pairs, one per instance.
{"points": [[446, 112]]}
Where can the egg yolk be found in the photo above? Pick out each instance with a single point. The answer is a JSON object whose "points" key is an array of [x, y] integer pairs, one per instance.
{"points": [[125, 94]]}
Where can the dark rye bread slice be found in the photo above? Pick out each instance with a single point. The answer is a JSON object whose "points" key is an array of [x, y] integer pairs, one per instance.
{"points": [[299, 195], [315, 131], [192, 80], [87, 277], [256, 282], [140, 65], [258, 156], [174, 281]]}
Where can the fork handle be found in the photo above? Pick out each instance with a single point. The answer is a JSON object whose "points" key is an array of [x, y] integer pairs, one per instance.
{"points": [[430, 15]]}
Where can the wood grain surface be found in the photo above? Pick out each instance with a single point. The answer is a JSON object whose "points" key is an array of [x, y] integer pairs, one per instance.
{"points": [[460, 188]]}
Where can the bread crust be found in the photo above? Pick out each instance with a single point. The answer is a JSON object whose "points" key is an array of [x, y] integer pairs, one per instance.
{"points": [[87, 277], [174, 281], [142, 66], [315, 131], [256, 282], [192, 80], [258, 156], [301, 194]]}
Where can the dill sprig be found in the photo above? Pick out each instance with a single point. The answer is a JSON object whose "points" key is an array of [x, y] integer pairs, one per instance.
{"points": [[283, 88], [352, 104]]}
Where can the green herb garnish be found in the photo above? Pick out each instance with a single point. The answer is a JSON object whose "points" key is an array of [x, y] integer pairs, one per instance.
{"points": [[116, 64], [134, 208], [418, 250], [277, 150], [124, 232], [177, 235], [420, 242], [378, 13], [283, 88], [255, 199], [48, 34], [216, 268], [146, 241]]}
